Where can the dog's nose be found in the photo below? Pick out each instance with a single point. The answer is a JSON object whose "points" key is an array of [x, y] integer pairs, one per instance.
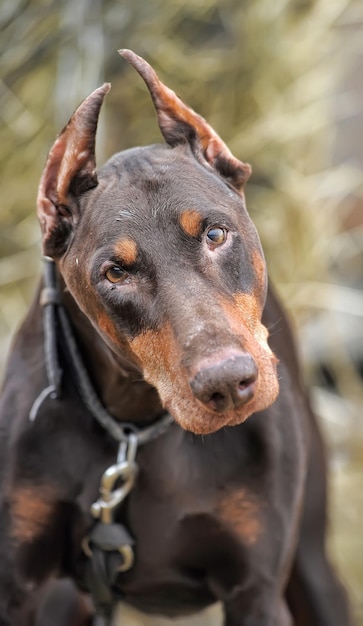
{"points": [[227, 384]]}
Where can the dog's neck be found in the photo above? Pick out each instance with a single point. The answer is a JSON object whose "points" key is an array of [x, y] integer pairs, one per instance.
{"points": [[120, 386]]}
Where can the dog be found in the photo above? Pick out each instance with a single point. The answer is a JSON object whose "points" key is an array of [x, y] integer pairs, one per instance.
{"points": [[156, 447]]}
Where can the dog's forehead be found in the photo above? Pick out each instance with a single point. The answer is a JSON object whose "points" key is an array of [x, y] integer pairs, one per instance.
{"points": [[155, 180]]}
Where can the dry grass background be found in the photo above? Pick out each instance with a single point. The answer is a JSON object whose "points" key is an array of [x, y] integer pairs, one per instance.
{"points": [[267, 75]]}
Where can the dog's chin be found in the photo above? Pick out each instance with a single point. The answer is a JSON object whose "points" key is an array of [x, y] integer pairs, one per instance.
{"points": [[199, 420], [210, 424]]}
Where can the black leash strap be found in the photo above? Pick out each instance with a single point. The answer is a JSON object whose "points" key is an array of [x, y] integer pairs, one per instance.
{"points": [[50, 301], [106, 562]]}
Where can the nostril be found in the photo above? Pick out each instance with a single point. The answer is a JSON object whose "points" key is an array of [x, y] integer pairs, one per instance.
{"points": [[247, 382], [217, 397], [218, 402], [245, 390]]}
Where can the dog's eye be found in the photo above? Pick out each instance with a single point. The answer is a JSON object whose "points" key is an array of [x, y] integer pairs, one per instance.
{"points": [[115, 274], [216, 236]]}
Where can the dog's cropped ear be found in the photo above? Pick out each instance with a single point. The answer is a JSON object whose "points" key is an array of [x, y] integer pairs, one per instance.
{"points": [[70, 170], [180, 124]]}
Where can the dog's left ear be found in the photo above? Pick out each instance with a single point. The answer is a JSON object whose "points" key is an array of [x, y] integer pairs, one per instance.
{"points": [[69, 172], [180, 124]]}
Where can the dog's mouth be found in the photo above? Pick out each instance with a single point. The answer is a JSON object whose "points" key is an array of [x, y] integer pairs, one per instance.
{"points": [[218, 392], [208, 417], [205, 414]]}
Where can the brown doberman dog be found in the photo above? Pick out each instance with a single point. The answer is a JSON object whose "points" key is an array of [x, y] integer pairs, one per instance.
{"points": [[129, 468]]}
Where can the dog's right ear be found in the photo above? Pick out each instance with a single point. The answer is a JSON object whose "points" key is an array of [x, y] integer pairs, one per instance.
{"points": [[180, 124], [69, 172]]}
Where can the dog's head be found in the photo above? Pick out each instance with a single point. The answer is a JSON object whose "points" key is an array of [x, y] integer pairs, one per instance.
{"points": [[159, 252]]}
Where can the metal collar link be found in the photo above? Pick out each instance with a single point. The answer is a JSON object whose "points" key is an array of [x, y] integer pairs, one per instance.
{"points": [[117, 481], [109, 546]]}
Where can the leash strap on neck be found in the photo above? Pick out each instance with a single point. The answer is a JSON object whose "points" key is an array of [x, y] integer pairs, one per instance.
{"points": [[49, 300]]}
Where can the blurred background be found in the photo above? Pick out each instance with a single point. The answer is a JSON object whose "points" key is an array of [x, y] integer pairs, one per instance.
{"points": [[282, 82]]}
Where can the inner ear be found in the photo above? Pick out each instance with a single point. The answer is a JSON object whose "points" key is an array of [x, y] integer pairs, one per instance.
{"points": [[180, 124], [69, 172]]}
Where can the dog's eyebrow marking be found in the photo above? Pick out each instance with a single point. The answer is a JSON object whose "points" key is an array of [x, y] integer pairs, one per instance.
{"points": [[126, 250], [191, 222], [241, 511], [32, 508]]}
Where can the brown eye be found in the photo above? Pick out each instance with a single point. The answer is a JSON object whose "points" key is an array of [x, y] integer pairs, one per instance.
{"points": [[216, 236], [115, 274]]}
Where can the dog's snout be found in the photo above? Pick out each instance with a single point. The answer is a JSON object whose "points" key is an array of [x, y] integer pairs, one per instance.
{"points": [[226, 384]]}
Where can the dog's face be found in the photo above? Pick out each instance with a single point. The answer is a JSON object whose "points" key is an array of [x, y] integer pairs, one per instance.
{"points": [[159, 252]]}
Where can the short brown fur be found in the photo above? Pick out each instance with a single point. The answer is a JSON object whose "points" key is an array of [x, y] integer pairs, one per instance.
{"points": [[191, 222], [240, 510], [32, 508], [126, 251]]}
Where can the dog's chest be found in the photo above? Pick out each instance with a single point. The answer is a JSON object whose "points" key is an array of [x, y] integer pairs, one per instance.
{"points": [[192, 519]]}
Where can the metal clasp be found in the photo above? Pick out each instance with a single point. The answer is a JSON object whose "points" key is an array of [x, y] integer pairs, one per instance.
{"points": [[123, 473]]}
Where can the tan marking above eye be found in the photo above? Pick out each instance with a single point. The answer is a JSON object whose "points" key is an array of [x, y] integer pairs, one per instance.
{"points": [[126, 250], [191, 222]]}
